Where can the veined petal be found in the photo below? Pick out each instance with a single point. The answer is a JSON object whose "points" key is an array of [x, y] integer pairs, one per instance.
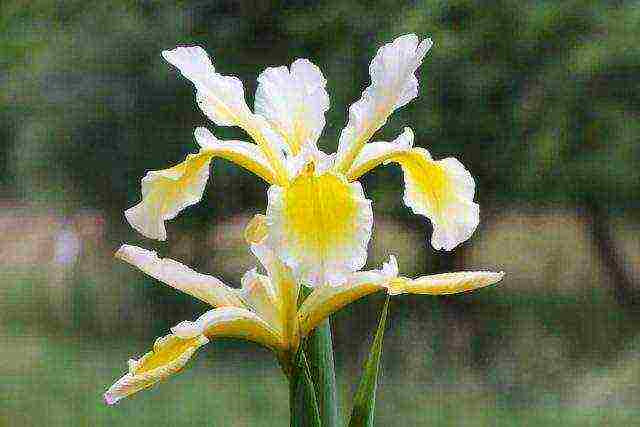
{"points": [[244, 154], [231, 322], [446, 283], [393, 85], [221, 98], [168, 191], [170, 354], [441, 190], [320, 226], [206, 288], [327, 300], [294, 102]]}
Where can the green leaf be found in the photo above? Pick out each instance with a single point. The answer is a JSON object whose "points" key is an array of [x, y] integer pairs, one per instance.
{"points": [[304, 405], [364, 402], [319, 350]]}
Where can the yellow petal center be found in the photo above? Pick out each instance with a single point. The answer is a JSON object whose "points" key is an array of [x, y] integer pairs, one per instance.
{"points": [[319, 211]]}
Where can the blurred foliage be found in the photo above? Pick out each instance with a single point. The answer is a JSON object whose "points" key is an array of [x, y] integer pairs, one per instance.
{"points": [[539, 99]]}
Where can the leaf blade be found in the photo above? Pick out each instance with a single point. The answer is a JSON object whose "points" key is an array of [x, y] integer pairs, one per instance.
{"points": [[362, 414]]}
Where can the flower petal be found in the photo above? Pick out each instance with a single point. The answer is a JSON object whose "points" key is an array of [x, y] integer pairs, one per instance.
{"points": [[320, 226], [168, 191], [231, 322], [446, 283], [285, 288], [441, 190], [206, 288], [244, 154], [221, 98], [294, 102], [327, 300], [393, 85], [259, 293], [170, 354]]}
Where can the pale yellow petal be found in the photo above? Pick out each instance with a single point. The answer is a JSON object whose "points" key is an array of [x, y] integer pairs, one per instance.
{"points": [[206, 288], [170, 354], [244, 154], [443, 190], [327, 300], [446, 283], [294, 102], [231, 322], [393, 85], [166, 192], [320, 226]]}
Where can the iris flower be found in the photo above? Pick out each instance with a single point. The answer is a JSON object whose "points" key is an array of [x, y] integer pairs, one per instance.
{"points": [[265, 309], [318, 220]]}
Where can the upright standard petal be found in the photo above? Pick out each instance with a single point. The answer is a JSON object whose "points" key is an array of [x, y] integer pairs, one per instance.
{"points": [[319, 226], [221, 98], [443, 190], [168, 191], [206, 288], [294, 102], [446, 283], [393, 85], [327, 300], [170, 354]]}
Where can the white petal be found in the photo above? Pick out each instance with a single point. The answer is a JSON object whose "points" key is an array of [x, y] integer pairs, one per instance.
{"points": [[166, 192], [206, 288], [294, 102], [393, 85], [320, 227], [220, 97]]}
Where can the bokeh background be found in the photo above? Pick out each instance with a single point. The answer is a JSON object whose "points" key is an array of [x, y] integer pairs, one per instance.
{"points": [[539, 99]]}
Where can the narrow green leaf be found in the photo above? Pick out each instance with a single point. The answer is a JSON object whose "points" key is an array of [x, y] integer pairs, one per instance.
{"points": [[364, 402], [304, 405], [319, 350]]}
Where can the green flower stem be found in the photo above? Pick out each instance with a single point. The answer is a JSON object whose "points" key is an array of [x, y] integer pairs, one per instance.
{"points": [[302, 395], [319, 350]]}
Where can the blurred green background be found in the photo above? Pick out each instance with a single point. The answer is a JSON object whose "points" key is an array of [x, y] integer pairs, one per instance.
{"points": [[539, 99]]}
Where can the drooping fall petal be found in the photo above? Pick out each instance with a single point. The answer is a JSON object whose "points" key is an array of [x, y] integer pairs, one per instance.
{"points": [[442, 190], [168, 191], [206, 288], [393, 85], [170, 354], [294, 101], [319, 226]]}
